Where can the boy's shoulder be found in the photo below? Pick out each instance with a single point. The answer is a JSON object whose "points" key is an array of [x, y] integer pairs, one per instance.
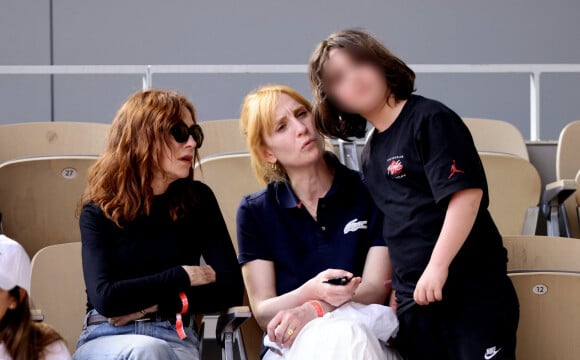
{"points": [[427, 108]]}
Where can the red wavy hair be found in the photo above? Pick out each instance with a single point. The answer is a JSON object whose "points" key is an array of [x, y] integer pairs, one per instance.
{"points": [[120, 181]]}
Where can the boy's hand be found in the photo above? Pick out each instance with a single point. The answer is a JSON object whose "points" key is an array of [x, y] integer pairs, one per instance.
{"points": [[430, 285]]}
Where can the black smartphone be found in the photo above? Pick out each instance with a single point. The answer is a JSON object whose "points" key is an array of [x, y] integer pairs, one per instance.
{"points": [[340, 280]]}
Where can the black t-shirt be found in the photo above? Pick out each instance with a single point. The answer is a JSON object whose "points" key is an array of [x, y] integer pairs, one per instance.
{"points": [[412, 169], [139, 265]]}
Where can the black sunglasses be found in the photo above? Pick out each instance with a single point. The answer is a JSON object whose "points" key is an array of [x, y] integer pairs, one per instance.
{"points": [[181, 132]]}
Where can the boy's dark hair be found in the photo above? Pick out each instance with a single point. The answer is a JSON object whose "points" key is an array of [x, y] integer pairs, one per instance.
{"points": [[362, 47]]}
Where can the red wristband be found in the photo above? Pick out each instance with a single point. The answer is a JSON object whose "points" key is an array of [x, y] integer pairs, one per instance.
{"points": [[179, 319], [179, 327], [184, 303], [318, 307]]}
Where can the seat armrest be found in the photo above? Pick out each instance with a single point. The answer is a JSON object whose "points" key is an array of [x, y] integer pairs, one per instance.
{"points": [[553, 207], [231, 320], [558, 191], [531, 221], [36, 315]]}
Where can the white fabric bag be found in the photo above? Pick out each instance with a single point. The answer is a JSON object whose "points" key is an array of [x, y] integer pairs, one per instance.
{"points": [[353, 331]]}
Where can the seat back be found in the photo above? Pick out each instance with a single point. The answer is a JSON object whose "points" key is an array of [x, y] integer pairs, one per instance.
{"points": [[545, 272], [57, 289], [568, 152], [514, 186], [549, 315], [578, 187], [567, 167], [542, 253], [231, 177], [222, 136], [39, 197], [496, 136], [572, 205], [51, 138]]}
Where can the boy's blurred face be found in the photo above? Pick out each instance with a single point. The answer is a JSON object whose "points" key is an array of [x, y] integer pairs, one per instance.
{"points": [[356, 87]]}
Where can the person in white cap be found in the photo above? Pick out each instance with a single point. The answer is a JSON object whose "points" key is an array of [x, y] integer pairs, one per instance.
{"points": [[20, 337]]}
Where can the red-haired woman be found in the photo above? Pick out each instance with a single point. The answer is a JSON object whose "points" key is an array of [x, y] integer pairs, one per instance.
{"points": [[145, 223]]}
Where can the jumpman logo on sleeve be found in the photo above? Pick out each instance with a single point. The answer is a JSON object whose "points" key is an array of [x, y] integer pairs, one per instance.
{"points": [[454, 170]]}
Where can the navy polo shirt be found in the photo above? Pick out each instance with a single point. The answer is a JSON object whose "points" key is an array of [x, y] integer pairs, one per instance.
{"points": [[274, 226]]}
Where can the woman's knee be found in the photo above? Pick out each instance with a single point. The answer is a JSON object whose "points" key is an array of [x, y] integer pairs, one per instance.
{"points": [[147, 347], [126, 347]]}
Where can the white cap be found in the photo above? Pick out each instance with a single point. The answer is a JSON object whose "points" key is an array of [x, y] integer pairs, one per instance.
{"points": [[14, 265]]}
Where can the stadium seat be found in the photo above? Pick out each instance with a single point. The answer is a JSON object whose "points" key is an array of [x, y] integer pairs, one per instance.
{"points": [[496, 136], [39, 197], [560, 206], [545, 272], [222, 136], [514, 193], [57, 289], [549, 315], [542, 253], [231, 177], [58, 294], [51, 138], [577, 202]]}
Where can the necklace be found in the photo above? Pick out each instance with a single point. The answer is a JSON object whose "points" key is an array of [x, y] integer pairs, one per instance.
{"points": [[312, 207]]}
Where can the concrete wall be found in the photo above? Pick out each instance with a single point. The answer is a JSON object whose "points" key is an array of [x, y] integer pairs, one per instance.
{"points": [[107, 32]]}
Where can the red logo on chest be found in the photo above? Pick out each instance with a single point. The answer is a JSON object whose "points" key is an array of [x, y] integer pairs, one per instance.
{"points": [[395, 167]]}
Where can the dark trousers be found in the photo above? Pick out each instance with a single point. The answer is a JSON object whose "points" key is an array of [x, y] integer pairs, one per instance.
{"points": [[464, 326]]}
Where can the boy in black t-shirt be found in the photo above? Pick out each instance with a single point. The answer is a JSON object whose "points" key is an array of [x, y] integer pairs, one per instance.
{"points": [[455, 300]]}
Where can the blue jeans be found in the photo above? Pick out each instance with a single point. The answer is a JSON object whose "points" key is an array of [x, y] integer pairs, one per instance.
{"points": [[135, 341]]}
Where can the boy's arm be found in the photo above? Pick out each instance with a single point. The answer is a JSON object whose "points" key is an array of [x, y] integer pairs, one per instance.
{"points": [[459, 219]]}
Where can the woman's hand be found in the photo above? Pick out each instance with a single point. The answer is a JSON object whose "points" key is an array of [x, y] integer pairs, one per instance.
{"points": [[430, 285], [286, 324], [125, 319], [334, 295], [200, 275]]}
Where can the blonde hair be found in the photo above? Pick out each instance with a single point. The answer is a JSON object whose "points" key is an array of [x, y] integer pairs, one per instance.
{"points": [[257, 119]]}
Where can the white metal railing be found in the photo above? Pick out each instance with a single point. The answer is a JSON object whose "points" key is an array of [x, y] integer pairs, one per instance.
{"points": [[534, 71]]}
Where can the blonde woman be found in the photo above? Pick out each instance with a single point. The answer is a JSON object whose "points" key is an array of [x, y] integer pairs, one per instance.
{"points": [[311, 240]]}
